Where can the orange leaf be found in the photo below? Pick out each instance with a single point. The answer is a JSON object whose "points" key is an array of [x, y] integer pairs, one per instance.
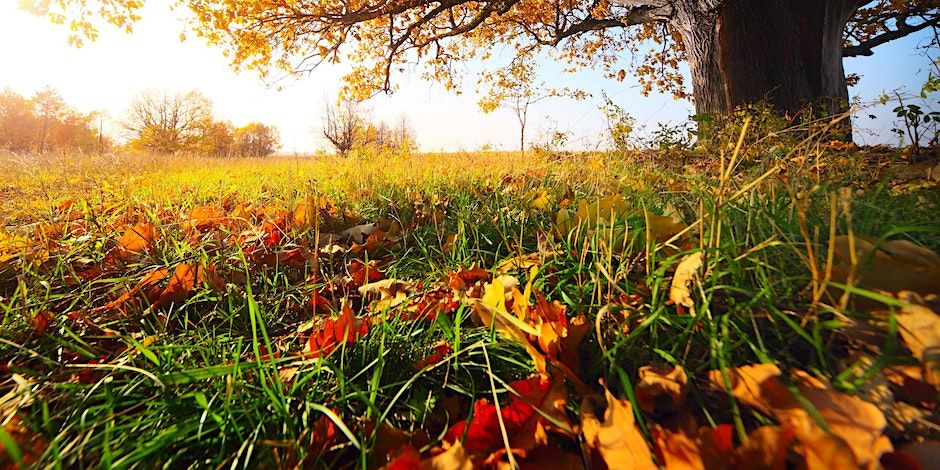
{"points": [[139, 238], [346, 328], [857, 422], [613, 440]]}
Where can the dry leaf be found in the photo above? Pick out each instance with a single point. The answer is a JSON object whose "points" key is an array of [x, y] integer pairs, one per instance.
{"points": [[657, 383], [890, 267], [614, 439], [681, 290], [139, 238], [859, 423], [919, 327]]}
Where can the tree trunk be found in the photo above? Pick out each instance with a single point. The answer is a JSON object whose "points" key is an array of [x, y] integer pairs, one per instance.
{"points": [[787, 53]]}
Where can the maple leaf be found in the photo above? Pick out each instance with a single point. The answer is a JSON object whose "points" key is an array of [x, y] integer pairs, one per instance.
{"points": [[361, 273], [344, 329], [525, 425]]}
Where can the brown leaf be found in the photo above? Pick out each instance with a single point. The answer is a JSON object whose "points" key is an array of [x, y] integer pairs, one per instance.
{"points": [[614, 439], [859, 423], [920, 329], [661, 386], [891, 267]]}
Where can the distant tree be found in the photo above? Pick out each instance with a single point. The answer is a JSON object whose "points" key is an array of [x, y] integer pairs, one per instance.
{"points": [[213, 138], [257, 140], [45, 123], [166, 123], [344, 125], [17, 122], [381, 136], [515, 88], [49, 108]]}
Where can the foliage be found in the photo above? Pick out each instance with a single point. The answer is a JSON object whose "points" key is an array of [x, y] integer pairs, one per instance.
{"points": [[165, 123], [381, 40], [45, 123], [619, 124], [347, 126]]}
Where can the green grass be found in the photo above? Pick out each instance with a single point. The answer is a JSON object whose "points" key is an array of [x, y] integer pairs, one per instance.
{"points": [[192, 384]]}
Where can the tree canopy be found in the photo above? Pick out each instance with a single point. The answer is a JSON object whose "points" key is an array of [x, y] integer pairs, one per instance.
{"points": [[382, 37]]}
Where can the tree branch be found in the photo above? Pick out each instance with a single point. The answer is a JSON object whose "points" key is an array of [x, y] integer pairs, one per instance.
{"points": [[865, 48]]}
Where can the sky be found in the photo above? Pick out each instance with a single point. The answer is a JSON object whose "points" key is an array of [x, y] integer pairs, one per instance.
{"points": [[106, 74]]}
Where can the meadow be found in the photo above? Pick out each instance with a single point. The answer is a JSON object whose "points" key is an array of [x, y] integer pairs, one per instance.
{"points": [[760, 303]]}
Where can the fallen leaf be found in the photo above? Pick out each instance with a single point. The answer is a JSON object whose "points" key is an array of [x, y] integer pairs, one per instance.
{"points": [[139, 238], [344, 329], [889, 267], [859, 423], [386, 294], [523, 418], [660, 387], [919, 327], [680, 292], [613, 440], [920, 456]]}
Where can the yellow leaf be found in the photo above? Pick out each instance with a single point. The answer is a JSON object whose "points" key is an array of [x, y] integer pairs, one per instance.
{"points": [[680, 291]]}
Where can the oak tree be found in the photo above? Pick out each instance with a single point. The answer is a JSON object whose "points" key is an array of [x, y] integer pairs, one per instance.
{"points": [[787, 52]]}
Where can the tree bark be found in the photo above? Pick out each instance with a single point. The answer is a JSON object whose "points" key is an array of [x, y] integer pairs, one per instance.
{"points": [[787, 53]]}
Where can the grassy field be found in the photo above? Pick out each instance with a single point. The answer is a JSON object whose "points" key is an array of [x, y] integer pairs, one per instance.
{"points": [[340, 313]]}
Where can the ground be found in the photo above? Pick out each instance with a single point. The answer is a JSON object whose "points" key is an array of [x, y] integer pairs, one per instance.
{"points": [[472, 309]]}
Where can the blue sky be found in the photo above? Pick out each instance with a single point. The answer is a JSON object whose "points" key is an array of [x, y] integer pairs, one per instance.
{"points": [[105, 75]]}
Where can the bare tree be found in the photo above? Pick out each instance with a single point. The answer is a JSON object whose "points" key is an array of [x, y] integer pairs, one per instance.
{"points": [[162, 122], [342, 124]]}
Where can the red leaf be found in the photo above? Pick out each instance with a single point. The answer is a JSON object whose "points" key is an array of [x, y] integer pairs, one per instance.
{"points": [[344, 329], [522, 421], [440, 352], [362, 274], [41, 322]]}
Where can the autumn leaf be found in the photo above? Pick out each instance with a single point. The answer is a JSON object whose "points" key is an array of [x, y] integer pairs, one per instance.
{"points": [[386, 294], [147, 287], [344, 329], [185, 279], [858, 423], [919, 327], [890, 267], [661, 386], [680, 292], [440, 352], [361, 273], [611, 437], [139, 238], [203, 218], [465, 278], [524, 419]]}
